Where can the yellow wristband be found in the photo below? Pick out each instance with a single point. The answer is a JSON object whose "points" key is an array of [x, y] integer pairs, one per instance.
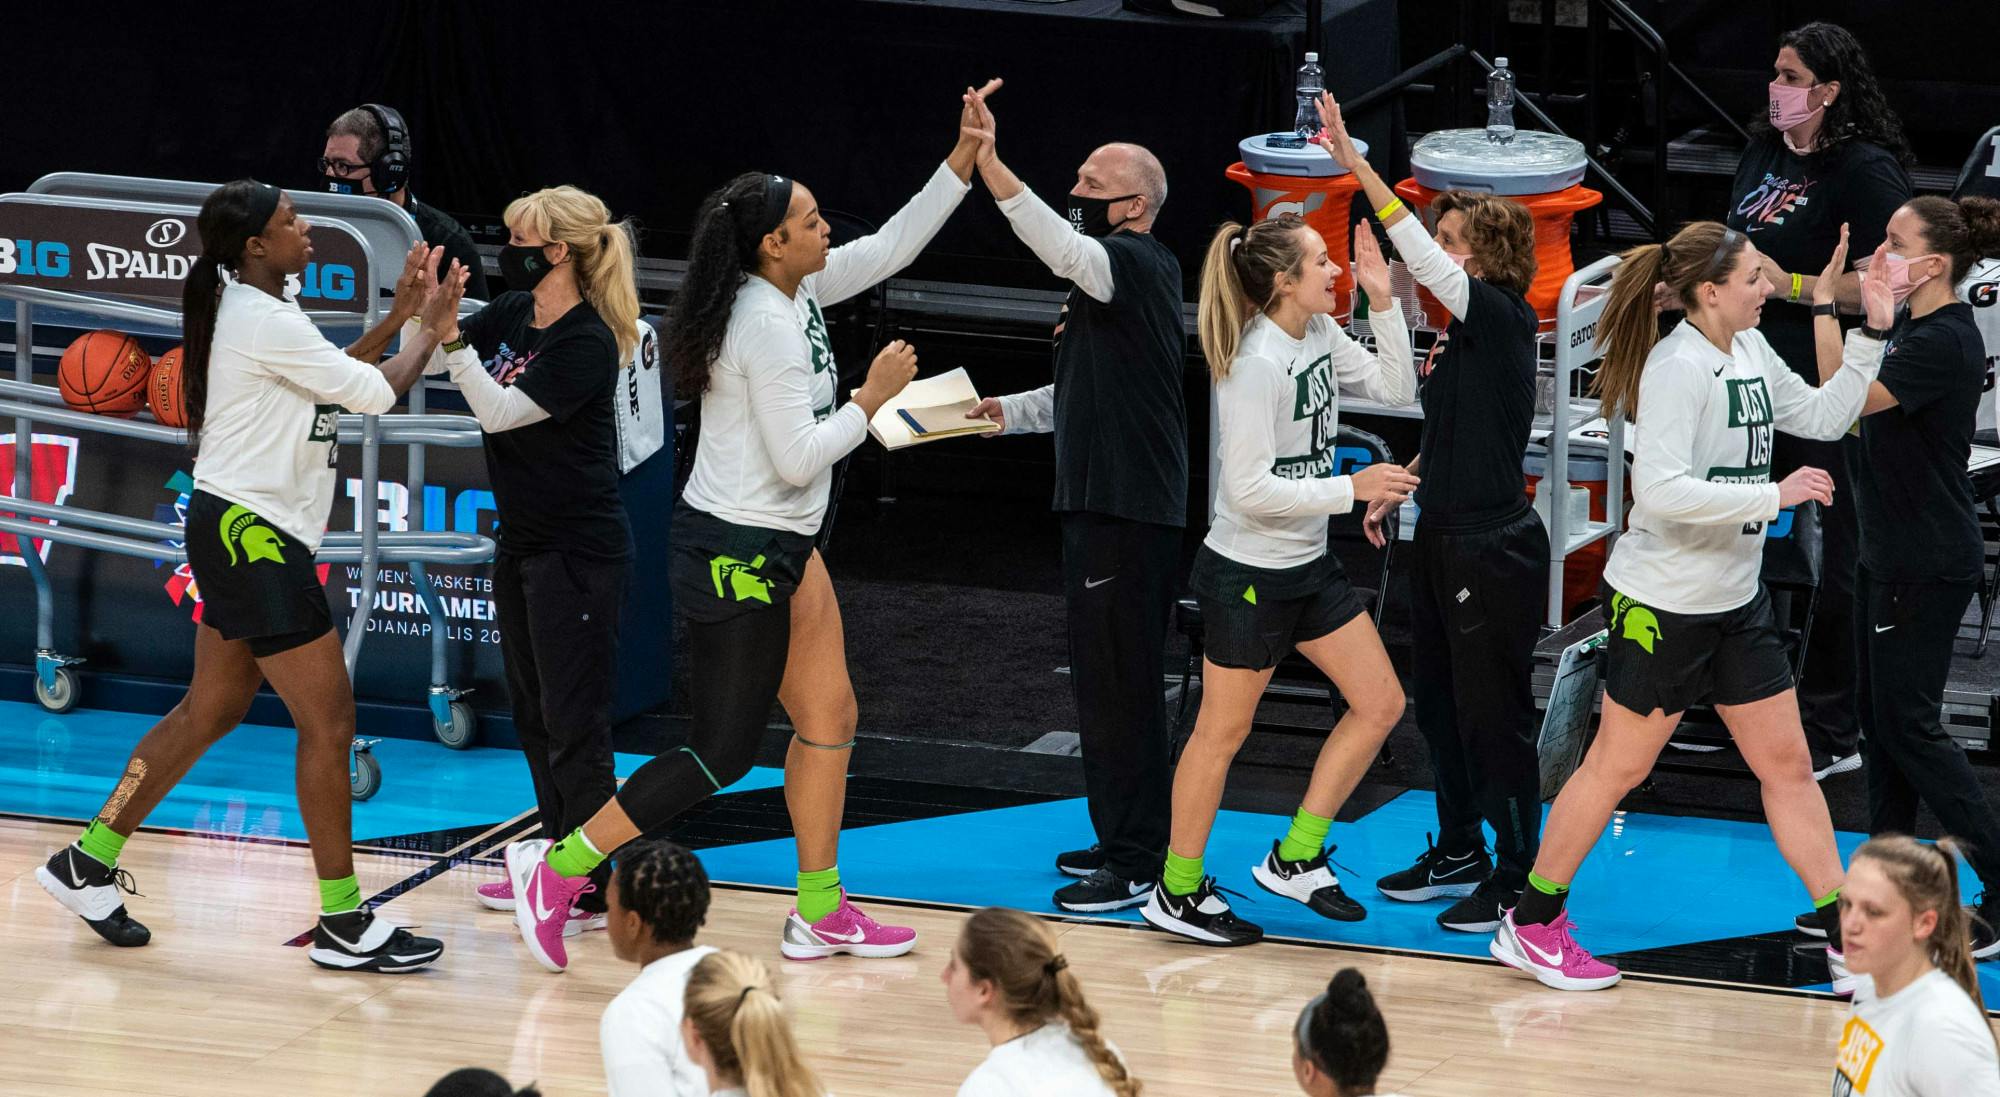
{"points": [[1798, 286], [1384, 213]]}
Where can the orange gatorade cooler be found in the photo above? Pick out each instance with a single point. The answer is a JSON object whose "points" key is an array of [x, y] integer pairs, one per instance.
{"points": [[1307, 182]]}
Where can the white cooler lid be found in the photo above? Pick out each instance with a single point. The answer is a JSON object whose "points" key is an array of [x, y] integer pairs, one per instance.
{"points": [[1310, 162], [1533, 163]]}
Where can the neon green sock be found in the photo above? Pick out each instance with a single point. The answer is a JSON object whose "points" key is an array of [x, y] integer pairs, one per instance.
{"points": [[1827, 900], [1182, 875], [819, 893], [1547, 886], [574, 856], [102, 843], [1306, 837], [339, 896]]}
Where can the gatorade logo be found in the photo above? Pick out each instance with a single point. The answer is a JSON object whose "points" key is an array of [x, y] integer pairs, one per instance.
{"points": [[1634, 622], [259, 542], [744, 582]]}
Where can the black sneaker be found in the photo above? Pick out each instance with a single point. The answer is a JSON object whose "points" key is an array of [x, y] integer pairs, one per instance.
{"points": [[1203, 916], [1826, 763], [1481, 911], [89, 888], [1310, 882], [1437, 876], [358, 941], [1080, 862], [1808, 924], [1101, 891]]}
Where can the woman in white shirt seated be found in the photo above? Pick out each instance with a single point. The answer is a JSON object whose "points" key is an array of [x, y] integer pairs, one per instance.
{"points": [[1007, 977], [657, 901], [1918, 1027], [736, 1030], [1340, 1043]]}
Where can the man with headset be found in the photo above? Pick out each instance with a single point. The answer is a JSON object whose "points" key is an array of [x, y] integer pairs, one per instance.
{"points": [[368, 152]]}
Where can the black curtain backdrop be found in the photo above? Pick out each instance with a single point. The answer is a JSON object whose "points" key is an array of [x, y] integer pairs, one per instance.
{"points": [[652, 105]]}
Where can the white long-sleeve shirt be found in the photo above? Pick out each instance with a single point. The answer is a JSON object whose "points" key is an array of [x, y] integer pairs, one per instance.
{"points": [[1701, 463], [1068, 254], [640, 1033], [769, 432], [1430, 266], [1047, 1062], [270, 429], [1278, 411], [1926, 1040]]}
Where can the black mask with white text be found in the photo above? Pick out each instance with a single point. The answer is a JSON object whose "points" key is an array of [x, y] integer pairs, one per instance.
{"points": [[1092, 216]]}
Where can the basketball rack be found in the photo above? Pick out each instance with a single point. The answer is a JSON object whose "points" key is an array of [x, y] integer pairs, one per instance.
{"points": [[384, 234]]}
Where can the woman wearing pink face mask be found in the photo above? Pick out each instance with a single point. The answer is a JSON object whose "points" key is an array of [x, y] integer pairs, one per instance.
{"points": [[1921, 550], [1828, 152]]}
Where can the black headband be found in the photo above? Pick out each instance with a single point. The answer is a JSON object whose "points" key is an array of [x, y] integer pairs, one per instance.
{"points": [[263, 203], [1729, 239], [777, 200]]}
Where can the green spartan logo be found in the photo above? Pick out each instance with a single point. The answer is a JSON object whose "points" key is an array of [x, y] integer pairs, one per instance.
{"points": [[241, 526], [743, 580], [1635, 622]]}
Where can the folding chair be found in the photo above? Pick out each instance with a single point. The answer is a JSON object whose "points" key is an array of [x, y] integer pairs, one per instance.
{"points": [[1296, 677]]}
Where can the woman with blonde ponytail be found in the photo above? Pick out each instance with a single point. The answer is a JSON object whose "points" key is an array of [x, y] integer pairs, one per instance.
{"points": [[539, 367], [1918, 1027], [1689, 620], [1007, 976], [1264, 578], [736, 1030]]}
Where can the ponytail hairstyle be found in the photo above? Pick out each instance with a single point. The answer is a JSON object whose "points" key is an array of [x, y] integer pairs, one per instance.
{"points": [[1927, 878], [666, 887], [1861, 112], [728, 228], [1342, 1033], [229, 217], [732, 1002], [1017, 953], [1500, 233], [1967, 230], [602, 250], [1704, 251], [1239, 280]]}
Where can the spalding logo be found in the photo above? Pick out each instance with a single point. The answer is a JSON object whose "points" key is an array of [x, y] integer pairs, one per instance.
{"points": [[166, 232]]}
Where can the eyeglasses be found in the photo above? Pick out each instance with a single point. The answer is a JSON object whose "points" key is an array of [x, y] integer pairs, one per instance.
{"points": [[340, 169]]}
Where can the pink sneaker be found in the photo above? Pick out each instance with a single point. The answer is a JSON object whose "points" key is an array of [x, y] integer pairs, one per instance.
{"points": [[845, 930], [1551, 955], [499, 895], [545, 915]]}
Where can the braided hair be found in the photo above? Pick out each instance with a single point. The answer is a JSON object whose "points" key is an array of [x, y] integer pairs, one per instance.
{"points": [[1017, 953], [728, 228], [666, 887]]}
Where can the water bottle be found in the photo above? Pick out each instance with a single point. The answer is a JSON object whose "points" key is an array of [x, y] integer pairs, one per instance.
{"points": [[1500, 104], [1312, 81]]}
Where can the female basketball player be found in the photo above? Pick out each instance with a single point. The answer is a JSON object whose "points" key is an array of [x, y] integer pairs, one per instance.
{"points": [[658, 900], [1689, 620], [263, 392], [1007, 975], [1264, 577], [1922, 553], [1918, 1026], [737, 1032], [1340, 1043], [539, 366], [748, 335], [1478, 583]]}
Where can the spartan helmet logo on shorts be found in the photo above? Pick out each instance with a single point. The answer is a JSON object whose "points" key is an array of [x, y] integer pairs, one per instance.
{"points": [[241, 526], [1635, 622], [744, 582]]}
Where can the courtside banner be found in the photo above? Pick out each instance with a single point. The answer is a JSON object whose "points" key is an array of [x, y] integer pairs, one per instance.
{"points": [[101, 246]]}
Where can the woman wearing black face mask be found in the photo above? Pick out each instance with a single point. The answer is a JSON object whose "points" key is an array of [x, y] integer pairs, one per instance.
{"points": [[538, 367], [1830, 152]]}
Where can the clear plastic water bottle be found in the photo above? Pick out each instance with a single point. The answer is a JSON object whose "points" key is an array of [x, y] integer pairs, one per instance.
{"points": [[1312, 81], [1500, 104]]}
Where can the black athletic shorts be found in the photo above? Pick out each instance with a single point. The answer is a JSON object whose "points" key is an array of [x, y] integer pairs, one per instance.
{"points": [[1251, 616], [721, 570], [1663, 661], [257, 582]]}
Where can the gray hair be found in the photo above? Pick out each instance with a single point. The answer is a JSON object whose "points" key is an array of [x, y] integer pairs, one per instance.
{"points": [[1146, 175], [361, 125]]}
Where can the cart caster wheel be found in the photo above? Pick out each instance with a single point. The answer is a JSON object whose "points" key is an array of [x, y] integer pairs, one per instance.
{"points": [[364, 775], [63, 696], [458, 732]]}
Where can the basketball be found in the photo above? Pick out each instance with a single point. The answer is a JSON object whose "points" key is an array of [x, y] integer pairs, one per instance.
{"points": [[105, 372], [163, 390]]}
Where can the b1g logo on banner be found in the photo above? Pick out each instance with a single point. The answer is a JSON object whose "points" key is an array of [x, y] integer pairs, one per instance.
{"points": [[93, 245]]}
